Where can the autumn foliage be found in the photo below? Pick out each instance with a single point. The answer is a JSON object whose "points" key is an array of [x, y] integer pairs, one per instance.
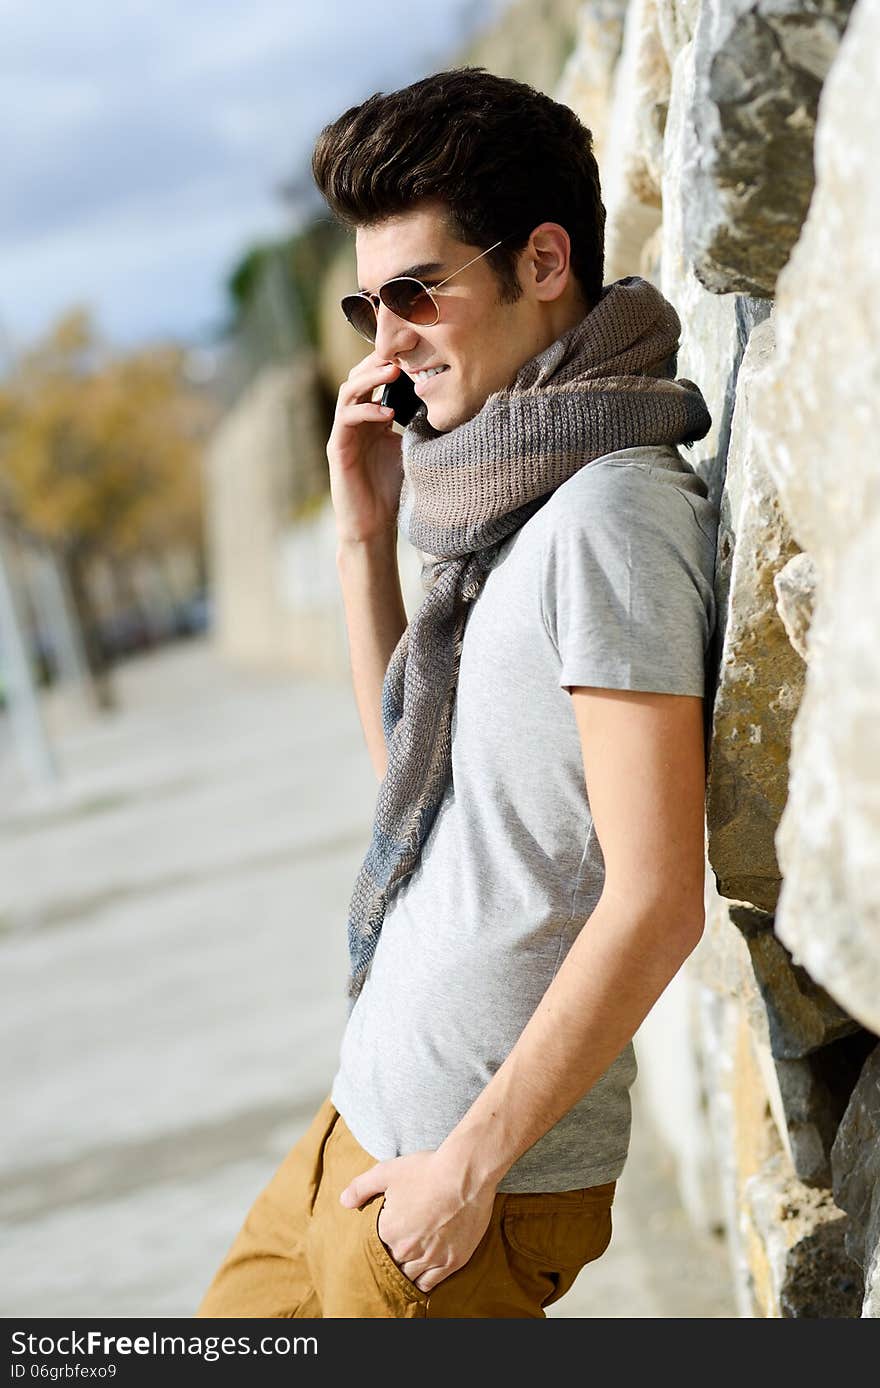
{"points": [[100, 451]]}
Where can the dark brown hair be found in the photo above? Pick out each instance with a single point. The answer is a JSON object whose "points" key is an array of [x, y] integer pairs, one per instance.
{"points": [[502, 156]]}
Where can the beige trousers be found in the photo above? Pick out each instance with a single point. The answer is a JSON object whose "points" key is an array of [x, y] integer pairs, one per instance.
{"points": [[301, 1254]]}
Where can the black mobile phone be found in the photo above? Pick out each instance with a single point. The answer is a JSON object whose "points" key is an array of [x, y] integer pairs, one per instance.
{"points": [[402, 398]]}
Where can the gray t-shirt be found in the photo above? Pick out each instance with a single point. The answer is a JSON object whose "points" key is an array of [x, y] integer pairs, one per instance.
{"points": [[610, 583]]}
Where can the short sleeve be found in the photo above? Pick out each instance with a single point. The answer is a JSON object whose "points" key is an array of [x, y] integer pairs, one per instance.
{"points": [[628, 597]]}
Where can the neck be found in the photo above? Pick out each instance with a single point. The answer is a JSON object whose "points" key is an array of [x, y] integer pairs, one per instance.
{"points": [[556, 319], [567, 314]]}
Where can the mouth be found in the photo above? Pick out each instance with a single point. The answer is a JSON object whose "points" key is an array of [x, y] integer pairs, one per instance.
{"points": [[422, 379]]}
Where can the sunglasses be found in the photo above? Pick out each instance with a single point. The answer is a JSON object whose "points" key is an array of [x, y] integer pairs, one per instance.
{"points": [[407, 298]]}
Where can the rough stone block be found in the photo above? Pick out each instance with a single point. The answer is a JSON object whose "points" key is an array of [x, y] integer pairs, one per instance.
{"points": [[760, 69], [798, 1237], [807, 1075], [855, 1163], [760, 677], [828, 840], [676, 22], [710, 339], [816, 420], [814, 1092], [795, 586], [801, 1016]]}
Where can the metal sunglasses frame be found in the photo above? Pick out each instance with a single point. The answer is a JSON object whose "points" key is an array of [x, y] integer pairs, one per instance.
{"points": [[375, 299]]}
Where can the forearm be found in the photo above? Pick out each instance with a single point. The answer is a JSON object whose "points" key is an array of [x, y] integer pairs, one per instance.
{"points": [[611, 977], [376, 619]]}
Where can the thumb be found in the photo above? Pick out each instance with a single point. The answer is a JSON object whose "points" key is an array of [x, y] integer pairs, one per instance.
{"points": [[369, 1183]]}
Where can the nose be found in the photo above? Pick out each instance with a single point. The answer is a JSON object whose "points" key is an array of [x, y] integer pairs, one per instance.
{"points": [[393, 335]]}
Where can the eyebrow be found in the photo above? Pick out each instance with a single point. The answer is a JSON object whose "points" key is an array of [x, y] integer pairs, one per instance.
{"points": [[427, 267]]}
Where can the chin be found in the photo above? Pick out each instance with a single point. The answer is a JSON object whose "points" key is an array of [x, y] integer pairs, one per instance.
{"points": [[444, 420], [437, 420]]}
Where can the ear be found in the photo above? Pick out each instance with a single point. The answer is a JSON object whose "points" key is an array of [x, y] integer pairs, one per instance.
{"points": [[548, 260]]}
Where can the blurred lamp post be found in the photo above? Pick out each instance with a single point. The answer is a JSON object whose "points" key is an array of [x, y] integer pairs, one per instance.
{"points": [[51, 598], [30, 738]]}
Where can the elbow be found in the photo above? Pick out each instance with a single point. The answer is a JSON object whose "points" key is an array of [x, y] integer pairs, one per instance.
{"points": [[674, 921], [691, 926], [679, 924]]}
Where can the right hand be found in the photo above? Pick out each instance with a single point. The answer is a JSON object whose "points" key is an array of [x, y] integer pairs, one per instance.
{"points": [[365, 455]]}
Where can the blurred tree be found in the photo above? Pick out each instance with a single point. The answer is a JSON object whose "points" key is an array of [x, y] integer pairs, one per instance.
{"points": [[100, 456], [303, 257]]}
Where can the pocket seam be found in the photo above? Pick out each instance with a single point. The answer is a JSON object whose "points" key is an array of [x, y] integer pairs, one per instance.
{"points": [[317, 1173], [387, 1263]]}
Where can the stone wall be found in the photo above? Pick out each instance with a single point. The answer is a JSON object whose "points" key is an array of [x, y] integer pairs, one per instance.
{"points": [[741, 175]]}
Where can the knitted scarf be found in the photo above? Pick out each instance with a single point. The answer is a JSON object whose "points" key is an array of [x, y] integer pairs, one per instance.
{"points": [[607, 383]]}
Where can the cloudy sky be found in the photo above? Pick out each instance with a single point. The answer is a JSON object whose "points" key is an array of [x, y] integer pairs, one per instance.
{"points": [[144, 141]]}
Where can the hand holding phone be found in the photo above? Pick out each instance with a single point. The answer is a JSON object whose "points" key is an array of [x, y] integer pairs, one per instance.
{"points": [[401, 396], [364, 454]]}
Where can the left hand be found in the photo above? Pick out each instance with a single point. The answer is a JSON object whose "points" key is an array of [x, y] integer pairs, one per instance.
{"points": [[426, 1223]]}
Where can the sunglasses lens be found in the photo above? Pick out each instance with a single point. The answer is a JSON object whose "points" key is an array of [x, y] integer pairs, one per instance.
{"points": [[409, 300], [361, 315], [406, 298]]}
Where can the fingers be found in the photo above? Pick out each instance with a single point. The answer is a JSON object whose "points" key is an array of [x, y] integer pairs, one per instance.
{"points": [[371, 1182], [424, 1277], [350, 1197], [367, 413], [354, 406], [364, 378]]}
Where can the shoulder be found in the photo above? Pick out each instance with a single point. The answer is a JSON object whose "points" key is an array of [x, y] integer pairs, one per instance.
{"points": [[650, 490], [634, 470], [650, 495]]}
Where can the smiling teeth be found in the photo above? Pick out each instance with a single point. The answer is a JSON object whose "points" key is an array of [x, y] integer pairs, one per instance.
{"points": [[432, 371]]}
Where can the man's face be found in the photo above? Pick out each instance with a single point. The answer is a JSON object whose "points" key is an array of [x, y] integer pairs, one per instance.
{"points": [[480, 342]]}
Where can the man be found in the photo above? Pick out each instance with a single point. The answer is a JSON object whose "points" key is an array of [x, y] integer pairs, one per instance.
{"points": [[535, 874]]}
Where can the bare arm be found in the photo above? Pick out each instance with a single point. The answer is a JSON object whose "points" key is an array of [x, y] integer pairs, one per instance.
{"points": [[366, 473], [376, 618]]}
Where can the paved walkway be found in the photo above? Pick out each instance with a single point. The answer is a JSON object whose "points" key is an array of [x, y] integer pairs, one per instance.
{"points": [[173, 954]]}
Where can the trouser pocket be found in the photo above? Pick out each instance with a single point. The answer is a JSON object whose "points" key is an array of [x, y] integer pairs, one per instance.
{"points": [[401, 1289], [315, 1147], [550, 1238], [352, 1269]]}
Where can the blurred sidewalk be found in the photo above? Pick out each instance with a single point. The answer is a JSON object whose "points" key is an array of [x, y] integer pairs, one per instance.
{"points": [[172, 927]]}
